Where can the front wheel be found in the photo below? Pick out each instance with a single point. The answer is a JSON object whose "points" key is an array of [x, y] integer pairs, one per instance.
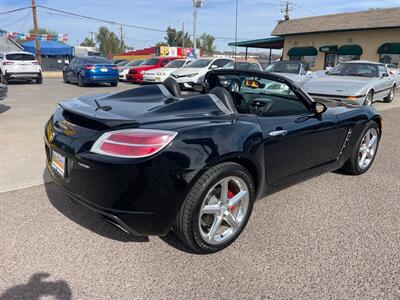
{"points": [[216, 209], [366, 148], [65, 79], [389, 98], [369, 98], [114, 83]]}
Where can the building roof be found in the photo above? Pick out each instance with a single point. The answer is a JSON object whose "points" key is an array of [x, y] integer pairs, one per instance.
{"points": [[371, 19]]}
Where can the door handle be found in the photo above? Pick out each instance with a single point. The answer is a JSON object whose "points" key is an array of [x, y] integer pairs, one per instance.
{"points": [[278, 133]]}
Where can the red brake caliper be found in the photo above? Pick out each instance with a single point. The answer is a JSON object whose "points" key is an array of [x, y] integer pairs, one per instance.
{"points": [[230, 195]]}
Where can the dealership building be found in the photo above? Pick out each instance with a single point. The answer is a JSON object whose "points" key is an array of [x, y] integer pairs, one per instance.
{"points": [[325, 41]]}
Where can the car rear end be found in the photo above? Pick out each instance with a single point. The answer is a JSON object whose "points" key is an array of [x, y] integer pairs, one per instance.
{"points": [[21, 66], [100, 73]]}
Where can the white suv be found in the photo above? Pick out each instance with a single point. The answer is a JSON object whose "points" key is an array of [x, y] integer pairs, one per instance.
{"points": [[19, 66], [194, 72]]}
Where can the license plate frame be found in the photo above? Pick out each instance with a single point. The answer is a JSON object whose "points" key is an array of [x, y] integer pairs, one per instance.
{"points": [[104, 69], [58, 163]]}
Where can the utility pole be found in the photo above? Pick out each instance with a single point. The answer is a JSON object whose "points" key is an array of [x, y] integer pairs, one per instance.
{"points": [[196, 5], [286, 9], [183, 34], [92, 35], [35, 31], [121, 36]]}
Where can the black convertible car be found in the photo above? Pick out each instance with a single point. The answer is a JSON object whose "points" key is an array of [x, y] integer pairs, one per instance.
{"points": [[149, 160]]}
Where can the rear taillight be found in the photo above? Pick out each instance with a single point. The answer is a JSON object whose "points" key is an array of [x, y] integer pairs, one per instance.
{"points": [[114, 67], [5, 63], [89, 67], [133, 143]]}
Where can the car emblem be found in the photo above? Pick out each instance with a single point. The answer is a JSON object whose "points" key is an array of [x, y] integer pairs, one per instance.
{"points": [[52, 136]]}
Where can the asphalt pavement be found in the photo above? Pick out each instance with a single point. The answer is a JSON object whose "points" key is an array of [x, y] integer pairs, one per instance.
{"points": [[331, 237]]}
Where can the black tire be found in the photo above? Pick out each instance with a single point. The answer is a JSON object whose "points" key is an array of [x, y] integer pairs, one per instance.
{"points": [[186, 225], [389, 98], [351, 166], [3, 79], [369, 98], [39, 80], [114, 83], [81, 83], [65, 80]]}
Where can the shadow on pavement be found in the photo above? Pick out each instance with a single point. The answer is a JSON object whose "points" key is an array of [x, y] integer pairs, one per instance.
{"points": [[85, 217], [4, 108], [36, 288]]}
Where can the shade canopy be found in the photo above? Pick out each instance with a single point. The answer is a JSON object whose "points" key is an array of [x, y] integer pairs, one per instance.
{"points": [[389, 48], [350, 50], [302, 51], [48, 48], [268, 43], [328, 48]]}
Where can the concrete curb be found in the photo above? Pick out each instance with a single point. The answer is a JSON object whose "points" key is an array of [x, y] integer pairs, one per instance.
{"points": [[52, 74]]}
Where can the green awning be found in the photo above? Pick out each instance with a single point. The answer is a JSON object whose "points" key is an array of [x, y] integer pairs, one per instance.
{"points": [[350, 50], [328, 48], [302, 51], [389, 48]]}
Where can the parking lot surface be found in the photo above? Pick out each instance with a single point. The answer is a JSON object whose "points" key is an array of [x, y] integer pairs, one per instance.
{"points": [[334, 236]]}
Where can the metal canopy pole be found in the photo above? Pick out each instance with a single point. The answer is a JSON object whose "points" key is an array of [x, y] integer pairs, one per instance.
{"points": [[270, 54], [245, 56]]}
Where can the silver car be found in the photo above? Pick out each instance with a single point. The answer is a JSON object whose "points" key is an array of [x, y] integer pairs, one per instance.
{"points": [[294, 70], [356, 82]]}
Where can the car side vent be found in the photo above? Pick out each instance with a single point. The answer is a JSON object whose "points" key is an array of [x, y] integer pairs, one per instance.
{"points": [[82, 121]]}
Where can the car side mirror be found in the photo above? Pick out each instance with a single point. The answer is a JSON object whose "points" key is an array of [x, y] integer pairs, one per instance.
{"points": [[385, 75], [213, 67], [318, 108]]}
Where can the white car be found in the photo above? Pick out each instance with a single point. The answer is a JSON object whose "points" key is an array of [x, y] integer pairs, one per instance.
{"points": [[160, 74], [194, 72], [19, 66], [394, 72], [294, 70]]}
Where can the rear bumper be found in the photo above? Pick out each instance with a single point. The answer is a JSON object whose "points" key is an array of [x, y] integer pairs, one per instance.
{"points": [[23, 75], [100, 79]]}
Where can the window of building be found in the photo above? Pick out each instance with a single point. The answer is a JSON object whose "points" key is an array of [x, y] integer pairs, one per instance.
{"points": [[308, 60], [390, 59], [344, 58]]}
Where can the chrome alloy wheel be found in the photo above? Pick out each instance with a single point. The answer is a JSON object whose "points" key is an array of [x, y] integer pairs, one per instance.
{"points": [[367, 150], [224, 210]]}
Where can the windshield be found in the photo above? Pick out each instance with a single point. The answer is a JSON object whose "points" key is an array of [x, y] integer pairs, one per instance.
{"points": [[284, 67], [96, 60], [134, 63], [241, 65], [200, 63], [150, 62], [355, 69], [122, 63], [20, 56], [175, 64]]}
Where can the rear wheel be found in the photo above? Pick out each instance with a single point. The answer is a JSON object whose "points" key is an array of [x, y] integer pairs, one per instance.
{"points": [[217, 208], [39, 80], [3, 79], [81, 83], [369, 98], [65, 79], [389, 98], [114, 83], [365, 151]]}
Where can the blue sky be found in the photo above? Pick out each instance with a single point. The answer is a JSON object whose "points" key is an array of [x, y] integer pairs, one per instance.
{"points": [[257, 18]]}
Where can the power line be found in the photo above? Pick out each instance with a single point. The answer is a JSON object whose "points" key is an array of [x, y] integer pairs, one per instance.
{"points": [[14, 10]]}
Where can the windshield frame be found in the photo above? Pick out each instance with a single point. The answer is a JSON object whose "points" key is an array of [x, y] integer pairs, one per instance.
{"points": [[210, 60]]}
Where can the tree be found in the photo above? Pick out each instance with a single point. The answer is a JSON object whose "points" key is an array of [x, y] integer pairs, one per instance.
{"points": [[87, 42], [206, 44], [175, 38], [108, 42]]}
